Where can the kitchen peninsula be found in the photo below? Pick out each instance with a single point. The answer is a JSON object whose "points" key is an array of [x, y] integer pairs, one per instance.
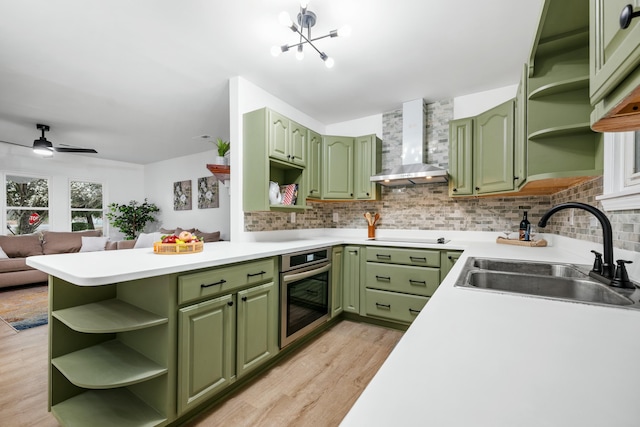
{"points": [[506, 360]]}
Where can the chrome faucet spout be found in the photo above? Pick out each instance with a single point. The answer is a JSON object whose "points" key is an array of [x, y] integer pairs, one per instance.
{"points": [[607, 234]]}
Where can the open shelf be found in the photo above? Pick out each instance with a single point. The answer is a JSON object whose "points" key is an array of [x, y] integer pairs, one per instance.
{"points": [[572, 129], [221, 172], [97, 408], [107, 365], [560, 87], [107, 316]]}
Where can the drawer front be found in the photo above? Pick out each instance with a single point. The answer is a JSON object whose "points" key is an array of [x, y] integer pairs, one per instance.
{"points": [[403, 278], [218, 281], [419, 257], [393, 306]]}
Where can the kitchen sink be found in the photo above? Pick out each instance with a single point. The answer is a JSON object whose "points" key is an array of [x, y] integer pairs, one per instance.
{"points": [[565, 282]]}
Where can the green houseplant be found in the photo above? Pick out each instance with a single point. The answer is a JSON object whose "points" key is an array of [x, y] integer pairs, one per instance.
{"points": [[223, 147], [131, 218]]}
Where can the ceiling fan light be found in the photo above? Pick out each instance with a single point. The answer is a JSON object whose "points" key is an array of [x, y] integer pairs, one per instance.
{"points": [[285, 19], [344, 31], [276, 51], [328, 61], [300, 53]]}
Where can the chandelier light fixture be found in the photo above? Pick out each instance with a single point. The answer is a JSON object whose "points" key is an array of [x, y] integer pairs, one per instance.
{"points": [[306, 19]]}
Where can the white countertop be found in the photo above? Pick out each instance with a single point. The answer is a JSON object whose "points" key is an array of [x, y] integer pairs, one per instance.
{"points": [[471, 358]]}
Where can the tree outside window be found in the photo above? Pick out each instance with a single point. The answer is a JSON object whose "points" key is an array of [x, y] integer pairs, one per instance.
{"points": [[27, 204], [86, 206]]}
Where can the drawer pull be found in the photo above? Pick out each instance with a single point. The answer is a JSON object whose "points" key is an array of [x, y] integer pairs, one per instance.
{"points": [[412, 311], [385, 306], [222, 281], [256, 274], [383, 256], [385, 278], [353, 252], [418, 282], [418, 258]]}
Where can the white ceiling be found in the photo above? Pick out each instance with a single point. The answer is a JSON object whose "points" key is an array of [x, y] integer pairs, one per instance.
{"points": [[140, 80]]}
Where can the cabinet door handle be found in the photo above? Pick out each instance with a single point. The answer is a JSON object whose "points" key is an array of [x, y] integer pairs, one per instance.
{"points": [[418, 282], [351, 194], [455, 190], [367, 194], [477, 188], [417, 258], [222, 281], [244, 298], [256, 274], [353, 252], [382, 256], [385, 306], [412, 311], [626, 16], [515, 178], [385, 278], [230, 303]]}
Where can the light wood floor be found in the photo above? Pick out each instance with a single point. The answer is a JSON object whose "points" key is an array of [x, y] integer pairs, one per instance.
{"points": [[316, 386]]}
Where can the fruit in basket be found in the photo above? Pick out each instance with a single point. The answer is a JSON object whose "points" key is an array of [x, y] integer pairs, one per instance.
{"points": [[185, 236], [182, 238], [169, 239]]}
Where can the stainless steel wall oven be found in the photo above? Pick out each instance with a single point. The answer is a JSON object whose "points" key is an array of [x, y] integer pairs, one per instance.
{"points": [[305, 292]]}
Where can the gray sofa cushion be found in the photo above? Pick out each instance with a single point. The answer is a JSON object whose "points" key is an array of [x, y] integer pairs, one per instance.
{"points": [[13, 264], [62, 242], [21, 246]]}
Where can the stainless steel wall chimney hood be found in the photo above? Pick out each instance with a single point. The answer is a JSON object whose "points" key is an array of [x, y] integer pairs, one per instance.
{"points": [[412, 171]]}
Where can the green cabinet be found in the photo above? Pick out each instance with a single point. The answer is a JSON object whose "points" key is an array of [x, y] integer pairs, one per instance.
{"points": [[337, 297], [447, 260], [276, 150], [481, 152], [229, 333], [337, 177], [614, 75], [314, 166], [206, 350], [287, 139], [351, 279], [520, 132], [348, 163]]}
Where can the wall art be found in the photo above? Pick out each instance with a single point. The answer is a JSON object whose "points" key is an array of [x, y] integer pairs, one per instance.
{"points": [[182, 196], [208, 193]]}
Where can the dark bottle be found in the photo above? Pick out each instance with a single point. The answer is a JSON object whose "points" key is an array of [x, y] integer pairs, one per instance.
{"points": [[524, 226]]}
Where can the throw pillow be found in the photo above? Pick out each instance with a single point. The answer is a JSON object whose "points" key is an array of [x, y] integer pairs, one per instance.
{"points": [[145, 240], [93, 244], [208, 237], [2, 254], [167, 230]]}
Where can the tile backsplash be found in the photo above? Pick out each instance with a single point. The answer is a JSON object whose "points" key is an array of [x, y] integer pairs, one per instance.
{"points": [[429, 207]]}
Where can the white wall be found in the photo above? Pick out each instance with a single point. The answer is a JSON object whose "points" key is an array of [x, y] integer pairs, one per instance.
{"points": [[121, 181], [476, 103], [358, 127], [159, 178]]}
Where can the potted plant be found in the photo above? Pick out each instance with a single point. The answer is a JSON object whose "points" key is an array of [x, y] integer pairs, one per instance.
{"points": [[223, 149], [131, 219]]}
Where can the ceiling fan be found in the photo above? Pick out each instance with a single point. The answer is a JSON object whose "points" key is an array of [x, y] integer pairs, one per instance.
{"points": [[44, 147]]}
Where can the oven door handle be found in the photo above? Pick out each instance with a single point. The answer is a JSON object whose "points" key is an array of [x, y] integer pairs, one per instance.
{"points": [[299, 276]]}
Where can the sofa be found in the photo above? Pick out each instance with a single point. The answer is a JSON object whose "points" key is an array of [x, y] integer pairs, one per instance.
{"points": [[14, 250]]}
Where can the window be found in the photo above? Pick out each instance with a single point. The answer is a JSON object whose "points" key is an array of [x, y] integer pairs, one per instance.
{"points": [[27, 204], [621, 185], [86, 206]]}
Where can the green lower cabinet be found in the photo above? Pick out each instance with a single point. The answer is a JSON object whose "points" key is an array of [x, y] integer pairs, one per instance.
{"points": [[206, 350], [257, 328], [402, 278], [394, 306], [337, 297], [447, 260], [351, 279]]}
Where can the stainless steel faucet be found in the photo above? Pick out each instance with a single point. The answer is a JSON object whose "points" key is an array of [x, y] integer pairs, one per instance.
{"points": [[606, 273]]}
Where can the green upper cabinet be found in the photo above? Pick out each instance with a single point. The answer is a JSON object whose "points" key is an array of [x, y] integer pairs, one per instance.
{"points": [[314, 166], [481, 152], [493, 157], [287, 139], [461, 157], [267, 135], [368, 161], [347, 165], [337, 177], [614, 60], [520, 132]]}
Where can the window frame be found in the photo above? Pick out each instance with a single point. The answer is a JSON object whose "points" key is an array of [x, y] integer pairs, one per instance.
{"points": [[71, 209], [5, 203], [621, 185]]}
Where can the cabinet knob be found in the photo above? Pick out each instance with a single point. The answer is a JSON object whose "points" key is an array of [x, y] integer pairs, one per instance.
{"points": [[455, 190], [515, 178], [230, 303], [626, 16], [244, 298], [477, 188], [367, 194], [351, 194]]}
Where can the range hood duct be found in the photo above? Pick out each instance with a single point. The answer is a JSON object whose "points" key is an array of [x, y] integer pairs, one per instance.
{"points": [[413, 170]]}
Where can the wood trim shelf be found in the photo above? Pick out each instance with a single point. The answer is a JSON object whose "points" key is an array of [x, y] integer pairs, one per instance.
{"points": [[578, 128], [560, 87], [221, 172]]}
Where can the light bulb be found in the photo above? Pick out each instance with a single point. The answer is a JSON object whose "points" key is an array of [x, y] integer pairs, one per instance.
{"points": [[344, 31], [300, 53], [285, 19], [329, 62], [304, 3], [276, 51], [43, 152]]}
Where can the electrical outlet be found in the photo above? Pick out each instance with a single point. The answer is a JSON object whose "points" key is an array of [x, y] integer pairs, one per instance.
{"points": [[293, 217], [335, 217]]}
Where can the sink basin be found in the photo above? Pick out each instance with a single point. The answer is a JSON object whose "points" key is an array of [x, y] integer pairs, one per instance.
{"points": [[566, 282], [566, 288], [525, 267]]}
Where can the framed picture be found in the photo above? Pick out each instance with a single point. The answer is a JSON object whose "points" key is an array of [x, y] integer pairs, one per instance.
{"points": [[208, 193], [182, 196]]}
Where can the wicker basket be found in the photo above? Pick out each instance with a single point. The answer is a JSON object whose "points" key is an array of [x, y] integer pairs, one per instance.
{"points": [[177, 248]]}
